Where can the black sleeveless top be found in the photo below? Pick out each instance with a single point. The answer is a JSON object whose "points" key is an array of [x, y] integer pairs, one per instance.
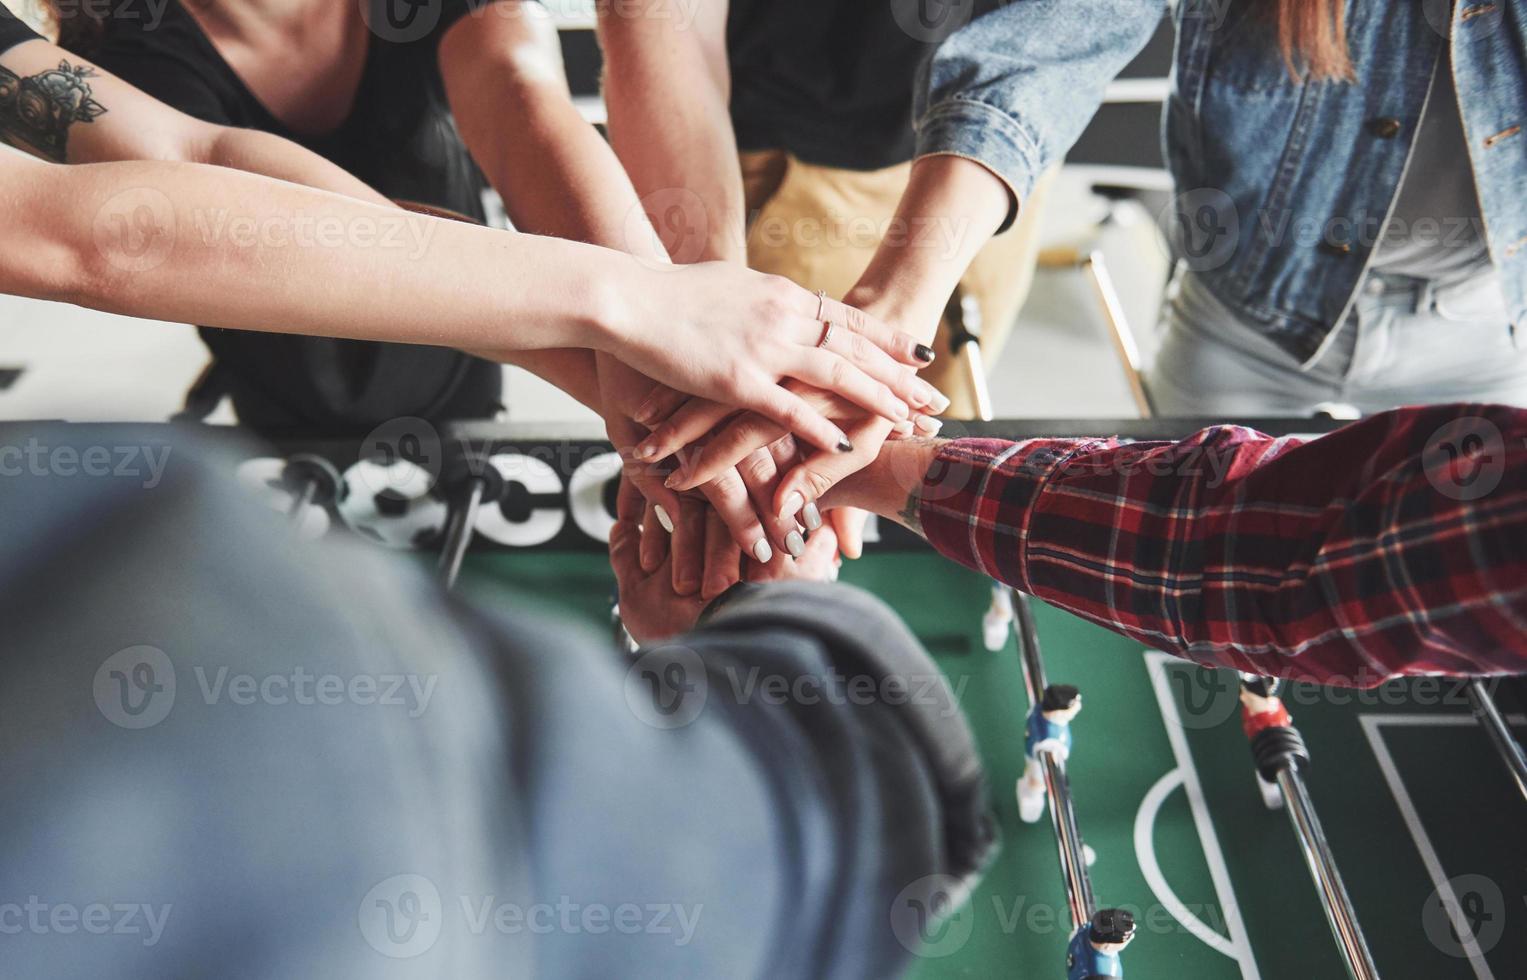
{"points": [[400, 139], [831, 81], [13, 31]]}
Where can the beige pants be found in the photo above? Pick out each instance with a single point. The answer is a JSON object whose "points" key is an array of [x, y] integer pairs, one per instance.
{"points": [[820, 226]]}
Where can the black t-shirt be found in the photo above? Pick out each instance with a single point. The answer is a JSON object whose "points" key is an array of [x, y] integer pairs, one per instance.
{"points": [[831, 81], [13, 31], [398, 138]]}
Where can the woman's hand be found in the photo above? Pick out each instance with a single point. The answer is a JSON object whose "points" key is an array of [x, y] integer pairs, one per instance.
{"points": [[737, 499], [791, 488], [732, 335], [652, 610]]}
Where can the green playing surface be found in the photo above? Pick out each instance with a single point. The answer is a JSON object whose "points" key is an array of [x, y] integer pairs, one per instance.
{"points": [[1411, 795]]}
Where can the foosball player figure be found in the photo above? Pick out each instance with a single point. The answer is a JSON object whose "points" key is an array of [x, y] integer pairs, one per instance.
{"points": [[1261, 708], [1094, 951], [1275, 743], [1048, 730], [998, 620]]}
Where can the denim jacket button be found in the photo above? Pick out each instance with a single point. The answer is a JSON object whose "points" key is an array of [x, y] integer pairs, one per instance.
{"points": [[1386, 127]]}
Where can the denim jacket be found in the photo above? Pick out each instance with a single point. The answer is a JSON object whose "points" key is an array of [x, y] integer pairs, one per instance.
{"points": [[1283, 187]]}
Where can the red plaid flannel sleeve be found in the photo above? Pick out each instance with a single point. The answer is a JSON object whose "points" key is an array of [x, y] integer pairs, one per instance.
{"points": [[1396, 545]]}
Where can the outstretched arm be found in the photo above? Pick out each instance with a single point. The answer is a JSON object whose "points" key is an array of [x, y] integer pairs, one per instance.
{"points": [[189, 243], [1394, 546], [82, 114], [505, 81], [668, 85], [137, 240]]}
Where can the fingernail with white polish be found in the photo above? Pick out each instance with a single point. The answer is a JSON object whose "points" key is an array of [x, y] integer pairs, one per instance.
{"points": [[940, 403], [832, 575], [928, 426], [813, 517], [793, 504], [795, 544], [762, 551], [645, 452], [904, 427], [663, 518]]}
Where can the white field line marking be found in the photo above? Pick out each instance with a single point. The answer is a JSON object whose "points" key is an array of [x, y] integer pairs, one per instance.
{"points": [[1145, 851], [1371, 725], [1156, 665]]}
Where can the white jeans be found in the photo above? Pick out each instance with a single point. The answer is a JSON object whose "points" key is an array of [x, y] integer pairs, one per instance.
{"points": [[1405, 342]]}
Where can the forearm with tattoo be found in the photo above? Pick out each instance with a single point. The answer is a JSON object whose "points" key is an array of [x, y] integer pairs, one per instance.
{"points": [[37, 111]]}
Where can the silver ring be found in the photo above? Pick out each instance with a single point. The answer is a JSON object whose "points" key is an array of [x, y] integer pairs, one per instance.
{"points": [[826, 333]]}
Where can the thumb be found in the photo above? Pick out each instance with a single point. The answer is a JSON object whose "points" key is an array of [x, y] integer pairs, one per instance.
{"points": [[625, 542]]}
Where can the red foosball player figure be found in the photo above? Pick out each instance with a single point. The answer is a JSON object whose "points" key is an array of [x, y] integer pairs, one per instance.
{"points": [[1261, 708], [1275, 742]]}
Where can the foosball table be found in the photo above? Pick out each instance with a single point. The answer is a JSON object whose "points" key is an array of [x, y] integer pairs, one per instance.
{"points": [[1156, 805]]}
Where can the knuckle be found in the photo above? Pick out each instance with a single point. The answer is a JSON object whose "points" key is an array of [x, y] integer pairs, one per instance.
{"points": [[728, 488], [818, 483], [779, 298], [759, 466]]}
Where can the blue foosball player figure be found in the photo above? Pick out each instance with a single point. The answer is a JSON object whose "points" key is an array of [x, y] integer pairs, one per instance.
{"points": [[1094, 951], [1048, 730]]}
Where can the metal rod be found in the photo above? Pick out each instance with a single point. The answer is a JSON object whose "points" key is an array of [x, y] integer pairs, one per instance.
{"points": [[1333, 893], [964, 317], [458, 532], [1495, 726], [1028, 647], [1068, 842], [1068, 835], [975, 369], [1118, 328]]}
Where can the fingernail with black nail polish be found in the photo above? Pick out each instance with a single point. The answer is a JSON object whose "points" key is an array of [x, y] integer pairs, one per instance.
{"points": [[844, 446], [923, 353]]}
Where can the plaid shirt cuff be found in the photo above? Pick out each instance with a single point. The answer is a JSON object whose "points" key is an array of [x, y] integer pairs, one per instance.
{"points": [[978, 496]]}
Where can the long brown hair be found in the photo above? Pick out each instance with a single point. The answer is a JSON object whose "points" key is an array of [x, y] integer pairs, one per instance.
{"points": [[1312, 34]]}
